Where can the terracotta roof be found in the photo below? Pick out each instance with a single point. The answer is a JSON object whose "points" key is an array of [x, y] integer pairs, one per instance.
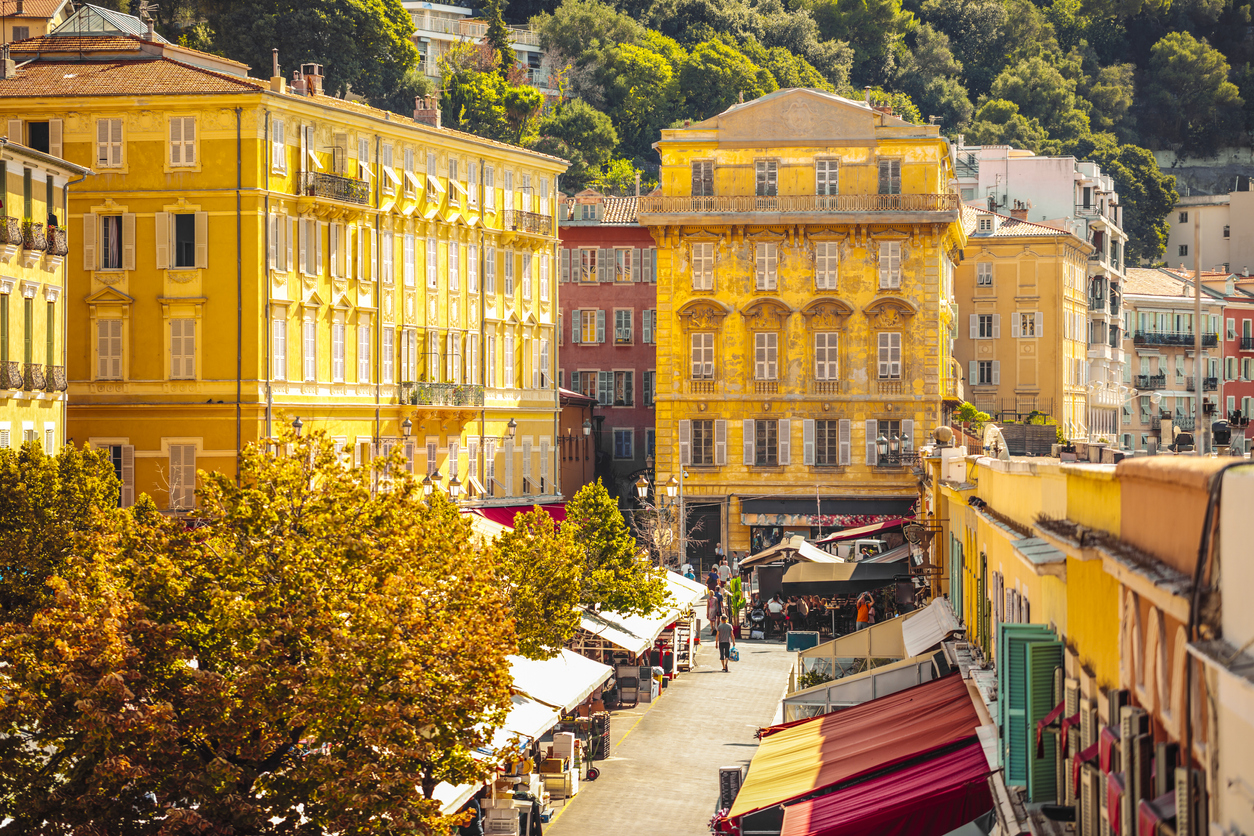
{"points": [[114, 78], [76, 43], [1150, 281], [1008, 228], [43, 9], [619, 210]]}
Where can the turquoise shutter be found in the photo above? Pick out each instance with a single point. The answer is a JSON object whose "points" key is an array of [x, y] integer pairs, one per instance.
{"points": [[1042, 659], [1012, 695]]}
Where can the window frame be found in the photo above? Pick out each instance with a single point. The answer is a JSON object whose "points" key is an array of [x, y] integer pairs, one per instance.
{"points": [[825, 183], [884, 355], [702, 442], [828, 368], [701, 255], [705, 360], [766, 178], [624, 333], [765, 442], [766, 355]]}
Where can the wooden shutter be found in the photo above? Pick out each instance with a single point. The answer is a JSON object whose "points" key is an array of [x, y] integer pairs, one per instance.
{"points": [[202, 240], [575, 321], [54, 138], [1014, 326], [291, 234], [685, 442], [973, 372], [907, 431], [302, 235], [996, 326], [885, 261], [565, 264], [600, 325], [605, 387], [872, 432], [162, 229], [807, 441], [785, 441], [128, 475], [128, 241], [272, 246], [333, 246], [635, 264], [1042, 659], [15, 131], [647, 256], [1039, 322], [91, 224], [746, 430], [319, 229], [720, 442], [996, 371], [845, 441], [974, 323], [646, 326]]}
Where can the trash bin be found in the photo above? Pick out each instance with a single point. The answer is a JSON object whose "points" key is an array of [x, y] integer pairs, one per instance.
{"points": [[802, 639]]}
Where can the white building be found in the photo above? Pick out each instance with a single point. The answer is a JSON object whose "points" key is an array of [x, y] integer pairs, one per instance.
{"points": [[439, 27], [1074, 195], [1227, 231]]}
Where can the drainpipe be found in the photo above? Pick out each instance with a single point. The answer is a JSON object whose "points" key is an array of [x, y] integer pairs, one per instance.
{"points": [[378, 296], [266, 271], [239, 286], [65, 309]]}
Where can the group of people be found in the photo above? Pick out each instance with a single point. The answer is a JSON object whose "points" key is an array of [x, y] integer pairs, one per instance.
{"points": [[810, 612]]}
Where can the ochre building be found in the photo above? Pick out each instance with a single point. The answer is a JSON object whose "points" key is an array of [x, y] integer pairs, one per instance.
{"points": [[806, 246]]}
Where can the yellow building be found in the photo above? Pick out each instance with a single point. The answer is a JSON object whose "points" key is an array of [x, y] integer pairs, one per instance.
{"points": [[253, 252], [1023, 289], [21, 19], [33, 247], [805, 260]]}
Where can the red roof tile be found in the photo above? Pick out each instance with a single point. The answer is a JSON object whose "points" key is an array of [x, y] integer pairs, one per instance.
{"points": [[114, 78]]}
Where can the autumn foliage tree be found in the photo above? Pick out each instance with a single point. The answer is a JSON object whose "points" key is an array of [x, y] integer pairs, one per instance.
{"points": [[310, 658], [541, 568]]}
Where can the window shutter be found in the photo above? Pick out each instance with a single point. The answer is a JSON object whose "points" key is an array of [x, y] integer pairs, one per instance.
{"points": [[1042, 658], [1014, 326], [872, 432], [885, 252], [907, 431], [605, 265], [128, 241], [575, 318], [15, 131], [646, 326], [303, 235], [565, 264], [272, 247], [319, 229], [996, 371], [1039, 321], [807, 442], [605, 387], [162, 227], [845, 441], [720, 442], [746, 431], [128, 475], [90, 226], [600, 325], [202, 240], [635, 265], [785, 441], [333, 245], [973, 372], [996, 326], [646, 264], [289, 234], [685, 442], [54, 138], [974, 323]]}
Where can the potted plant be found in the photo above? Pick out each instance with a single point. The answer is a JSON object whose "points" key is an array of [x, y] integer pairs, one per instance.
{"points": [[737, 603]]}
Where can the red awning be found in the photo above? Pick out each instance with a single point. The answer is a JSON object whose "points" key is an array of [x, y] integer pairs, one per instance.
{"points": [[864, 531], [927, 799], [799, 759], [504, 514]]}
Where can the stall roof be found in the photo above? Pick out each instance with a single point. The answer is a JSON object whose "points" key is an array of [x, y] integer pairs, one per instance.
{"points": [[504, 514], [636, 633], [453, 796], [882, 640], [902, 552], [794, 547], [926, 799], [562, 682], [484, 527], [839, 578], [816, 694], [876, 735], [527, 718], [926, 628], [864, 531]]}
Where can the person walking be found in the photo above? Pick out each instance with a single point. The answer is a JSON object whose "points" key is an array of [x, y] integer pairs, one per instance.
{"points": [[726, 641], [724, 571], [711, 580]]}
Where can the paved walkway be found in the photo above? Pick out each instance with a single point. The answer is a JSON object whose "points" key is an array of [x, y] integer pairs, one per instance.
{"points": [[662, 773]]}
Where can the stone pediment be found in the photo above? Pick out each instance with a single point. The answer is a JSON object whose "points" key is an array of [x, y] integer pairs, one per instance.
{"points": [[109, 296], [889, 311], [827, 312], [797, 116], [766, 315], [703, 314]]}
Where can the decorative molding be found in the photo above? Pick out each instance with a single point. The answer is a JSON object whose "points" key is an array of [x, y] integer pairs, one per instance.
{"points": [[766, 315], [827, 312], [703, 315], [29, 289], [181, 277], [52, 292]]}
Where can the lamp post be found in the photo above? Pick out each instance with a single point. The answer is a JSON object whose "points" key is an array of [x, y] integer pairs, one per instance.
{"points": [[298, 425], [642, 488], [407, 427], [511, 429], [454, 489], [881, 445]]}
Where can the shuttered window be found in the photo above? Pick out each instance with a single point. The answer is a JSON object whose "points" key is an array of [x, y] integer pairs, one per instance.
{"points": [[826, 366], [703, 178], [109, 349], [827, 177], [182, 476], [826, 261], [182, 349], [767, 263], [890, 265], [702, 356], [766, 178], [309, 352], [337, 352], [1014, 683], [182, 140], [278, 351], [703, 266], [109, 143], [890, 355], [765, 356], [890, 176]]}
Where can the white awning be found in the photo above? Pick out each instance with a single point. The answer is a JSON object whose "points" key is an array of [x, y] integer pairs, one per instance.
{"points": [[363, 168], [636, 633], [433, 183], [411, 180], [527, 718], [313, 159], [563, 682], [391, 175], [452, 797], [924, 630], [484, 527], [795, 547]]}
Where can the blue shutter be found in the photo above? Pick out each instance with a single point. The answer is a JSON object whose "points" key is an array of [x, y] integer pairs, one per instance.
{"points": [[1042, 659]]}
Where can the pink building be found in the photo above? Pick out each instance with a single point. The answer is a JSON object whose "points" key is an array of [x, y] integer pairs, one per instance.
{"points": [[607, 320]]}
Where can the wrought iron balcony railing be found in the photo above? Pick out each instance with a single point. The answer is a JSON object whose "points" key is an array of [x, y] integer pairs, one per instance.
{"points": [[906, 458], [33, 237], [56, 381], [520, 221], [1247, 343], [1184, 339], [10, 231], [334, 186], [1150, 381], [714, 204], [1209, 384], [58, 241], [441, 394], [11, 375], [34, 377]]}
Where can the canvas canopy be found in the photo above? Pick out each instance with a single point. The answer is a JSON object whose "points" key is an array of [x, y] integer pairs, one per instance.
{"points": [[796, 760], [832, 578], [561, 682], [864, 531], [924, 799], [927, 628], [795, 548], [636, 633]]}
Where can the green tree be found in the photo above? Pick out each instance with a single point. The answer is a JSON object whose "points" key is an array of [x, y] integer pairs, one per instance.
{"points": [[619, 178], [478, 99], [46, 503], [930, 76], [787, 69], [692, 21], [1190, 104], [977, 31], [578, 29], [616, 576], [1040, 90], [540, 568], [303, 662], [640, 91], [873, 28], [716, 75], [581, 134], [999, 122], [497, 35]]}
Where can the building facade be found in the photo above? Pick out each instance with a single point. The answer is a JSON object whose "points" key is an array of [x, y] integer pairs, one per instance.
{"points": [[253, 252], [1236, 346], [1076, 196], [608, 324], [805, 265], [33, 248], [1225, 231], [1023, 288], [22, 19]]}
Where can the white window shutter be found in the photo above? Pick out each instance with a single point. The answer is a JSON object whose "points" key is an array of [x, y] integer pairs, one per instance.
{"points": [[128, 475], [605, 269], [565, 264], [1039, 321], [872, 432], [807, 441], [162, 229], [685, 442], [202, 240], [996, 326], [646, 264], [90, 226], [785, 441], [974, 322], [1014, 325], [635, 265], [289, 236], [15, 131], [600, 325], [272, 246], [576, 318], [996, 371], [319, 229], [845, 441], [128, 241], [333, 244], [720, 442], [746, 430], [907, 431], [646, 326], [54, 138], [973, 372], [885, 261], [303, 236]]}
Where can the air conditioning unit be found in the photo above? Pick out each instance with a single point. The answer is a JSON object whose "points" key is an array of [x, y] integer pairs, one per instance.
{"points": [[1133, 738], [1191, 802]]}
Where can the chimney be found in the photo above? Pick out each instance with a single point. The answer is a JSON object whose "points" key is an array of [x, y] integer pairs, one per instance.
{"points": [[1019, 213], [866, 93], [298, 83], [8, 67], [427, 110], [19, 7], [1245, 271], [277, 82], [312, 74]]}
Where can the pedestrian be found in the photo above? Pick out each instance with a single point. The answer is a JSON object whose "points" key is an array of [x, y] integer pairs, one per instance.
{"points": [[803, 612], [866, 609], [726, 641], [724, 571], [688, 572], [711, 580]]}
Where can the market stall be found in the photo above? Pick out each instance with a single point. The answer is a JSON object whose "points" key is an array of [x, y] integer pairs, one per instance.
{"points": [[831, 695]]}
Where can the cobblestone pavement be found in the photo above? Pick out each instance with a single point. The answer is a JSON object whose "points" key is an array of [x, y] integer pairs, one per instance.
{"points": [[662, 773]]}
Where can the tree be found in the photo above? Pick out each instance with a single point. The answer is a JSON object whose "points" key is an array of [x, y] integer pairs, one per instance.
{"points": [[693, 21], [976, 30], [497, 35], [477, 98], [540, 567], [578, 29], [873, 28], [1040, 91], [619, 178], [616, 576], [302, 662], [999, 122], [640, 93], [715, 76], [362, 45], [1189, 102], [930, 75], [46, 503], [787, 69], [580, 134]]}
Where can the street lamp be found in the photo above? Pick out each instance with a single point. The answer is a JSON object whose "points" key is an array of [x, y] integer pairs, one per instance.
{"points": [[642, 488], [905, 443], [510, 429], [881, 444], [454, 488], [427, 486], [672, 487], [407, 427], [297, 425], [894, 445], [587, 428]]}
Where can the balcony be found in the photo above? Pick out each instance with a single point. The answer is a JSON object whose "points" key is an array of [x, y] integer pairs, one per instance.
{"points": [[1150, 381], [317, 184], [825, 387], [1097, 304], [704, 386], [33, 237], [700, 209], [532, 222], [906, 458], [953, 389], [58, 242], [890, 387], [11, 375], [1100, 351], [440, 394], [1182, 339], [56, 381], [1183, 422], [10, 232], [1247, 343], [1209, 384], [33, 377], [766, 387]]}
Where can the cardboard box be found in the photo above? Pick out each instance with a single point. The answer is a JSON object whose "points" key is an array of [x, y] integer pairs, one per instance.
{"points": [[553, 765]]}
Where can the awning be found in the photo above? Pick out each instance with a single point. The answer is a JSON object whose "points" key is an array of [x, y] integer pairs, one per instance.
{"points": [[829, 512], [864, 531], [795, 548], [504, 514], [562, 682], [484, 527], [896, 555], [927, 799], [453, 797], [527, 719], [390, 174], [882, 640], [928, 627], [363, 170], [433, 183], [840, 578], [860, 687], [412, 180], [829, 750], [636, 633]]}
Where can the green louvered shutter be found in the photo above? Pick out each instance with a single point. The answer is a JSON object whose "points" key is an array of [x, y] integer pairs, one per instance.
{"points": [[1042, 659], [1012, 694]]}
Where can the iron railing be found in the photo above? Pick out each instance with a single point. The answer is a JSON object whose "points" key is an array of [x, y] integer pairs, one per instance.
{"points": [[1150, 381], [1209, 384], [58, 242], [1184, 339], [10, 231], [665, 204], [11, 375], [33, 237], [56, 381], [33, 379], [334, 186], [520, 221], [906, 458], [441, 394], [1247, 343]]}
